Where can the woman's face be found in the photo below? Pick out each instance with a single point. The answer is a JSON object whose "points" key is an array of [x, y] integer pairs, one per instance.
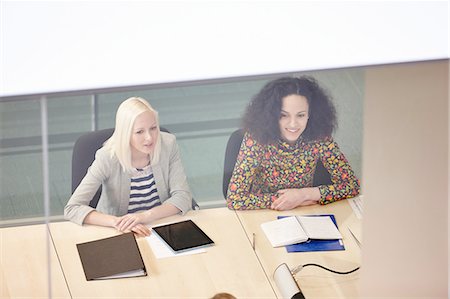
{"points": [[144, 134], [294, 117]]}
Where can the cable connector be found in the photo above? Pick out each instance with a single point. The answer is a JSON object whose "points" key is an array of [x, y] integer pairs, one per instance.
{"points": [[297, 269]]}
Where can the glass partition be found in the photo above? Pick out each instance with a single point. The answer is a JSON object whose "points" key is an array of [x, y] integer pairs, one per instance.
{"points": [[20, 160], [201, 114]]}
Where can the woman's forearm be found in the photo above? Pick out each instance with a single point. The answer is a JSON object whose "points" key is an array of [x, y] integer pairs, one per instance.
{"points": [[161, 211], [101, 219]]}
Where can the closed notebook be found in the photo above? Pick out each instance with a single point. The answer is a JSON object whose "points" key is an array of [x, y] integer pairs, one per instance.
{"points": [[113, 257]]}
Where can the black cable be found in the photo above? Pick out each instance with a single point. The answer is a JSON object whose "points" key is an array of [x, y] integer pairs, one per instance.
{"points": [[325, 268]]}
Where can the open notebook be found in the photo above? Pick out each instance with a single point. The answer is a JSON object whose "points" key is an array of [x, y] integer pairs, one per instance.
{"points": [[298, 229]]}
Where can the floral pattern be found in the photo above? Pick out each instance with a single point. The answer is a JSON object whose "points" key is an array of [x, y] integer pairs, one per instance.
{"points": [[262, 170]]}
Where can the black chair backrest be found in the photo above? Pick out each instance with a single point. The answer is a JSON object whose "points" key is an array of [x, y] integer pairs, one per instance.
{"points": [[231, 152], [321, 176], [83, 155]]}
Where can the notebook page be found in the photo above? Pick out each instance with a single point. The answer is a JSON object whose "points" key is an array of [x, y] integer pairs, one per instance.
{"points": [[319, 227], [284, 231]]}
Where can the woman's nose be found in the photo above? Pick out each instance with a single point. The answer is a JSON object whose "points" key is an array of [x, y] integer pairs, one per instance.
{"points": [[148, 136], [292, 122]]}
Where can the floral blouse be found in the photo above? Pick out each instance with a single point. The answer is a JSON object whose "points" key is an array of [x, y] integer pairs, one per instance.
{"points": [[261, 170]]}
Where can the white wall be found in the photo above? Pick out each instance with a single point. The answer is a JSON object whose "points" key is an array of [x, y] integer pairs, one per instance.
{"points": [[49, 46]]}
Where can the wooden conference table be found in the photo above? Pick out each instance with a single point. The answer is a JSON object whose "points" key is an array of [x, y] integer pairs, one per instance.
{"points": [[313, 281], [230, 266], [24, 267]]}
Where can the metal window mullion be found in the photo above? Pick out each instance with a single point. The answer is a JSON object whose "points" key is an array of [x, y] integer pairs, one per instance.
{"points": [[46, 189], [94, 112]]}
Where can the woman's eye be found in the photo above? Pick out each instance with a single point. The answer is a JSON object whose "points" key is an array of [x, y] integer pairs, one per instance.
{"points": [[153, 128], [139, 132]]}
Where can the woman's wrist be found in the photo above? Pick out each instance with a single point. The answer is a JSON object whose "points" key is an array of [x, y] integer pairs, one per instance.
{"points": [[314, 194], [148, 216], [113, 220], [317, 196]]}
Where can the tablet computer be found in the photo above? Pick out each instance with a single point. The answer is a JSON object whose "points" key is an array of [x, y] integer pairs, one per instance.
{"points": [[183, 235]]}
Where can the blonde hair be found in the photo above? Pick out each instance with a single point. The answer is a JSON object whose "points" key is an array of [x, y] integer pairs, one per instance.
{"points": [[119, 143]]}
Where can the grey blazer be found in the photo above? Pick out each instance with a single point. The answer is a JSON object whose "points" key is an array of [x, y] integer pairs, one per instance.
{"points": [[106, 170]]}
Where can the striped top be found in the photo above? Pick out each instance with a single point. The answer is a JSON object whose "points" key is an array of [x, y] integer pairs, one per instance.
{"points": [[143, 192]]}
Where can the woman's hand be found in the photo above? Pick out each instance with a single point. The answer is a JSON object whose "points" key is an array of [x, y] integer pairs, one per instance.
{"points": [[141, 230], [133, 222], [289, 199]]}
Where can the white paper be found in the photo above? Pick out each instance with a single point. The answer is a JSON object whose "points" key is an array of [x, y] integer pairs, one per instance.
{"points": [[355, 231], [162, 250], [284, 231], [357, 205], [133, 273]]}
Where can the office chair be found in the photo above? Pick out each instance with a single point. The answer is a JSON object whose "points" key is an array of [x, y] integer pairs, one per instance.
{"points": [[321, 176], [231, 152], [83, 155]]}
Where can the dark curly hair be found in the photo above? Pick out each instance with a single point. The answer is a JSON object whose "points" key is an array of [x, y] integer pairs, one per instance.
{"points": [[261, 117]]}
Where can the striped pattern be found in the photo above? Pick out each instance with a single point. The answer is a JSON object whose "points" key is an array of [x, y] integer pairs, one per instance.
{"points": [[143, 192]]}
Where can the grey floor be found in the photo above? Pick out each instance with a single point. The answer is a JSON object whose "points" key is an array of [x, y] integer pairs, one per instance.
{"points": [[202, 116]]}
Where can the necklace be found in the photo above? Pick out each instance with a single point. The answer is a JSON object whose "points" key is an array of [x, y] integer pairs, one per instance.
{"points": [[141, 163]]}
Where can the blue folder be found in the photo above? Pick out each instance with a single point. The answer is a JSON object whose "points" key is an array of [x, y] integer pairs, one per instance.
{"points": [[316, 245]]}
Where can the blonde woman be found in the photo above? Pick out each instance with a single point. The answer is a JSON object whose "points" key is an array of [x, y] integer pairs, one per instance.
{"points": [[140, 171]]}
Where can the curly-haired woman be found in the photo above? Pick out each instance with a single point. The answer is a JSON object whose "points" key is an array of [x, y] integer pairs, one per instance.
{"points": [[288, 130]]}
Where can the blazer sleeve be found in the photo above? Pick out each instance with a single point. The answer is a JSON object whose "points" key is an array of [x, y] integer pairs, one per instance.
{"points": [[78, 207], [179, 193]]}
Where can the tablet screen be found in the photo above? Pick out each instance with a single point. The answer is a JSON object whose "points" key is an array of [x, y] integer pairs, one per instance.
{"points": [[183, 235]]}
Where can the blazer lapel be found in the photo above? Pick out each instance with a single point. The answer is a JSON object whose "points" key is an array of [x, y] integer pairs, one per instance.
{"points": [[160, 182]]}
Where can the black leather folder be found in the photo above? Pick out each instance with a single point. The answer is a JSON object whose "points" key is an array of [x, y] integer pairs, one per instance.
{"points": [[113, 257]]}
